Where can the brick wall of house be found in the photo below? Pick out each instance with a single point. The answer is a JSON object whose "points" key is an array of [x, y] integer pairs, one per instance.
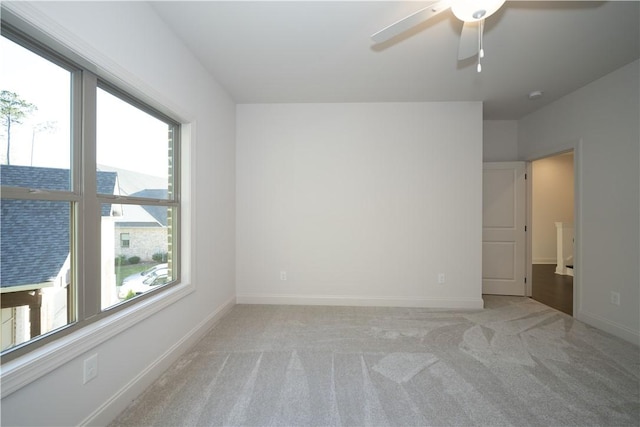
{"points": [[143, 241]]}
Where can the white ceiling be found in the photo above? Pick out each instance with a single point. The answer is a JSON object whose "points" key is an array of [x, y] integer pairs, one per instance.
{"points": [[303, 51]]}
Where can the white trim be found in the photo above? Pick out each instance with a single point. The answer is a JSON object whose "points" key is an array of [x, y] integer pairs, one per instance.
{"points": [[528, 287], [23, 370], [545, 261], [357, 301], [543, 153], [577, 224], [114, 405], [613, 328], [188, 201]]}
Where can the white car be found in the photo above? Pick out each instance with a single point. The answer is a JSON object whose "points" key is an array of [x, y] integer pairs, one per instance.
{"points": [[141, 282]]}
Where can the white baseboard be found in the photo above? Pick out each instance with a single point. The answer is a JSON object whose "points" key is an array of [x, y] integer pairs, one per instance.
{"points": [[113, 406], [355, 301], [553, 261], [613, 328]]}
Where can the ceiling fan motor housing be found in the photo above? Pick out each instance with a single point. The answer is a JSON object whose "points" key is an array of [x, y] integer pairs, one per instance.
{"points": [[475, 10], [479, 13]]}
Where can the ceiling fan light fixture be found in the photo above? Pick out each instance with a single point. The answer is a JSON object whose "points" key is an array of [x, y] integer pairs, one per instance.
{"points": [[475, 10]]}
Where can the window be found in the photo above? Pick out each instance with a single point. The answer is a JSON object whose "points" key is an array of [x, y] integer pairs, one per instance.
{"points": [[86, 171], [124, 240]]}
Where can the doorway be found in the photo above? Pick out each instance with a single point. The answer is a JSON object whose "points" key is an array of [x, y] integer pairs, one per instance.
{"points": [[552, 222]]}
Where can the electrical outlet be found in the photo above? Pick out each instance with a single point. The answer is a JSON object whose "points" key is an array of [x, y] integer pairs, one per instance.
{"points": [[90, 368], [441, 278], [615, 298], [283, 275]]}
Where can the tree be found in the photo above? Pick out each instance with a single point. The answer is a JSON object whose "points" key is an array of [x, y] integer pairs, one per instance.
{"points": [[48, 127], [12, 110]]}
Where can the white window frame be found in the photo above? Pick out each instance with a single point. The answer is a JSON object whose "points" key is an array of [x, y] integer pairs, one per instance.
{"points": [[27, 367]]}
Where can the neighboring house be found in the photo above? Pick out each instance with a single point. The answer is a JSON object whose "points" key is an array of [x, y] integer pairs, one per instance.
{"points": [[34, 247], [141, 230]]}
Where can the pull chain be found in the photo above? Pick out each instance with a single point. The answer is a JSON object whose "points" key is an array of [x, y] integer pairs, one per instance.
{"points": [[480, 44]]}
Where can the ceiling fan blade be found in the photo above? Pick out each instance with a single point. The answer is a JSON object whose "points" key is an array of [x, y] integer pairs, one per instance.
{"points": [[469, 40], [411, 21]]}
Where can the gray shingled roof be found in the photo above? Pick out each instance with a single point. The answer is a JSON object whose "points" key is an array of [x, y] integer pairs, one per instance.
{"points": [[130, 182], [159, 213], [34, 235]]}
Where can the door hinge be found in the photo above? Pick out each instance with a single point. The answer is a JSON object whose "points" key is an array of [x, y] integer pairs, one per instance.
{"points": [[525, 280], [525, 228], [525, 176]]}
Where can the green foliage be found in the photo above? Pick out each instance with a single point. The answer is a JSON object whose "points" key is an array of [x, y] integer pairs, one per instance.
{"points": [[123, 271], [160, 257], [121, 260], [12, 110], [129, 295], [134, 260]]}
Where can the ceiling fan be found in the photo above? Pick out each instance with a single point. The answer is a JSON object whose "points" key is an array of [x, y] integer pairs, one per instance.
{"points": [[471, 12]]}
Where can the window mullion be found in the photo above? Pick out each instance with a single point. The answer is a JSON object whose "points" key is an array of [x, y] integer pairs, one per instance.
{"points": [[90, 289], [77, 218], [129, 200]]}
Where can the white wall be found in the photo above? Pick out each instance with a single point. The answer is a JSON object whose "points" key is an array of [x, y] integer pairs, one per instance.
{"points": [[601, 121], [134, 44], [360, 204], [552, 198], [500, 140]]}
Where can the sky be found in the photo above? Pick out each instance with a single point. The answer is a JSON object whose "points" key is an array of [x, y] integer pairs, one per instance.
{"points": [[127, 137]]}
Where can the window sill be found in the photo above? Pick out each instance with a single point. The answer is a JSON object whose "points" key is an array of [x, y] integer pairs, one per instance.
{"points": [[23, 370]]}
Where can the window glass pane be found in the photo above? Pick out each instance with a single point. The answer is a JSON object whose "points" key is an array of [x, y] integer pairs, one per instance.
{"points": [[35, 118], [136, 145], [145, 261], [35, 275]]}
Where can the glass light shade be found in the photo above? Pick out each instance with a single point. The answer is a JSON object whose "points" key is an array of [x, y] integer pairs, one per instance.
{"points": [[475, 10]]}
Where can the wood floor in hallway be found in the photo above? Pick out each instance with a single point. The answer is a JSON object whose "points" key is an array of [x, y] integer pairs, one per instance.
{"points": [[552, 289]]}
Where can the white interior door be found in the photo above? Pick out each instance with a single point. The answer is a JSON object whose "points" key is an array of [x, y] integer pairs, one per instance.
{"points": [[503, 228]]}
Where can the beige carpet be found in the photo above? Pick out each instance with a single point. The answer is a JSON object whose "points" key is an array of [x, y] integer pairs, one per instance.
{"points": [[516, 363]]}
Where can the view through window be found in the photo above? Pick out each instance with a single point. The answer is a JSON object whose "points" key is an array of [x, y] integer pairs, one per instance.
{"points": [[57, 217], [136, 148], [35, 235]]}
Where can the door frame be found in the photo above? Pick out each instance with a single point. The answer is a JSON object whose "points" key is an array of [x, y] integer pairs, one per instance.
{"points": [[575, 146]]}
